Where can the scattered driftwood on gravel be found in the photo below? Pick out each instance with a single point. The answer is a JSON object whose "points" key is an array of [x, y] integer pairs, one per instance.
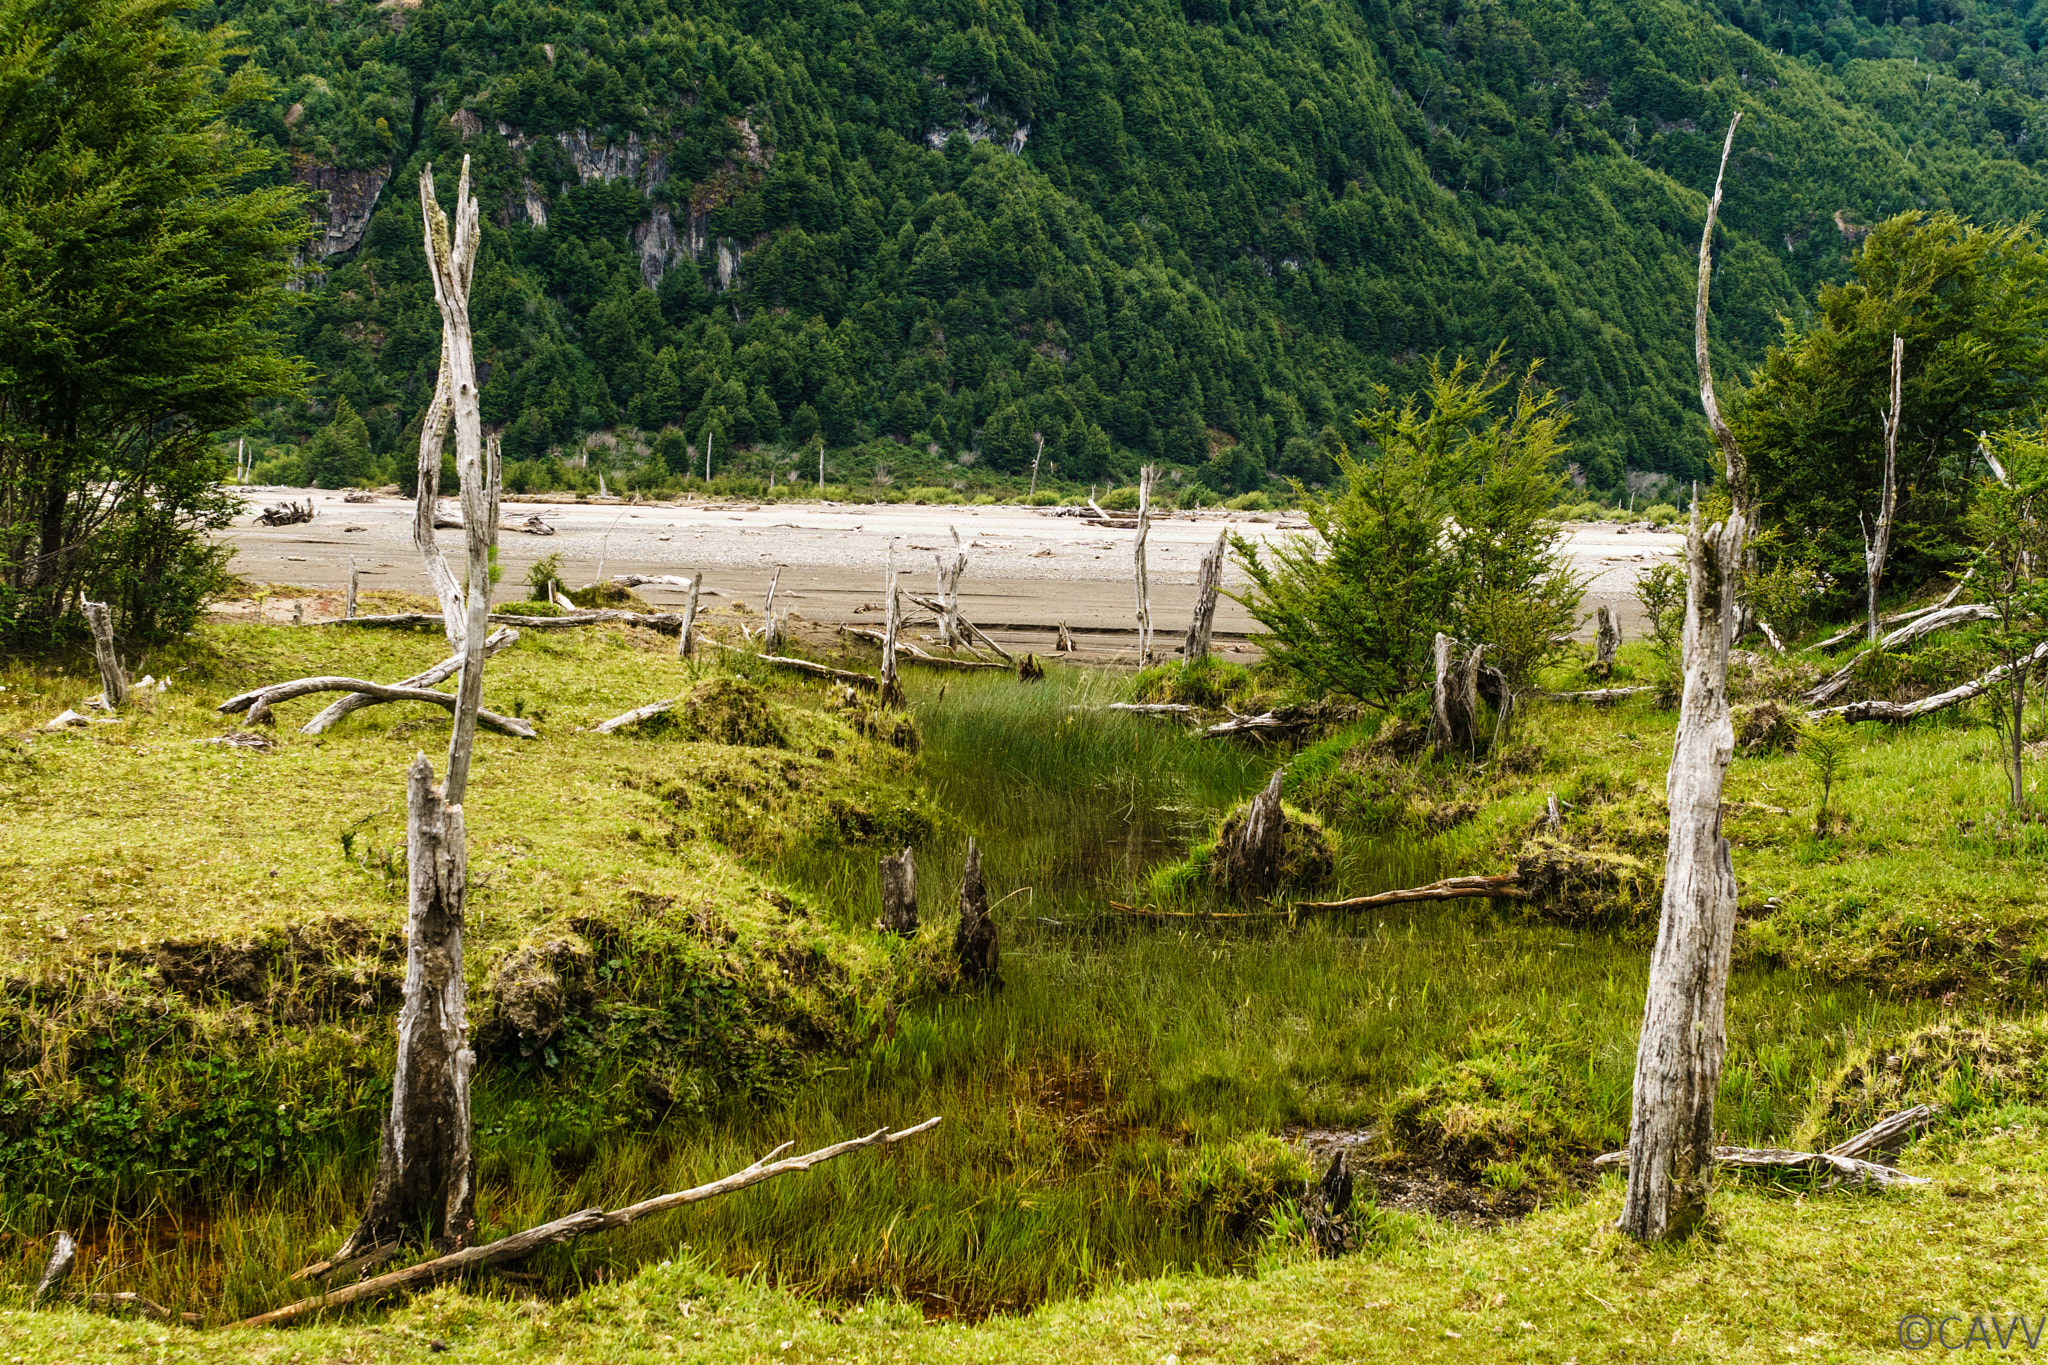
{"points": [[286, 513], [520, 1245], [1908, 710], [1904, 635], [258, 703], [1845, 1159]]}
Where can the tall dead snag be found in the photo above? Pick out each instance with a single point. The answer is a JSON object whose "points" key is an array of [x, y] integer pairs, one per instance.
{"points": [[891, 690], [1876, 547], [974, 942], [1678, 1058], [1738, 471], [1606, 642], [425, 1168], [683, 646], [1208, 583], [899, 894], [349, 612], [1146, 477], [112, 677]]}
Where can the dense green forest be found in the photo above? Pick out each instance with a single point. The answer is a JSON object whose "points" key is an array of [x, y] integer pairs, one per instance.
{"points": [[928, 235]]}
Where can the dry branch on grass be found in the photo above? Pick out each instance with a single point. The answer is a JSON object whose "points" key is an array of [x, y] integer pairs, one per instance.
{"points": [[667, 622], [1599, 696], [860, 680], [520, 1245], [1909, 710], [501, 639], [1924, 624], [1845, 1159], [258, 703], [906, 650], [976, 631]]}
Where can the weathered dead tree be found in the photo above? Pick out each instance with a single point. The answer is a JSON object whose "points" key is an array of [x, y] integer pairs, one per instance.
{"points": [[426, 1169], [1151, 708], [1275, 724], [1738, 469], [1877, 546], [1844, 1162], [1606, 642], [1066, 640], [689, 624], [63, 1256], [349, 609], [1679, 1054], [502, 638], [1036, 456], [113, 678], [949, 592], [258, 704], [1146, 477], [1506, 886], [510, 1250], [818, 670], [1326, 1208], [1919, 626], [1253, 860], [1208, 584], [667, 622], [910, 652], [974, 942], [657, 580], [1900, 618], [1941, 701], [1599, 696], [891, 690], [967, 626], [899, 894]]}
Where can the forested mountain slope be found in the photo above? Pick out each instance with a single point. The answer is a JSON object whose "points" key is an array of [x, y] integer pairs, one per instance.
{"points": [[1197, 231]]}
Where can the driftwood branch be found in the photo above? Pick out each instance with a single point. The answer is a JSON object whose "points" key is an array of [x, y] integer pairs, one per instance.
{"points": [[501, 639], [907, 651], [1844, 1159], [257, 703], [1599, 696], [1146, 477], [1940, 701], [62, 1257], [976, 631], [667, 622], [1905, 635], [520, 1245], [1900, 618], [1507, 885], [860, 680]]}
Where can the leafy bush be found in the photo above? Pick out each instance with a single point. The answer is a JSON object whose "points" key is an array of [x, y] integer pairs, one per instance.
{"points": [[1123, 499], [1254, 501], [533, 607], [1660, 514]]}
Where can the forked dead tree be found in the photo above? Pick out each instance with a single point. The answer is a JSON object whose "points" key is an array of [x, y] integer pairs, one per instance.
{"points": [[1678, 1057], [1877, 546], [426, 1170], [1146, 478], [113, 678], [1208, 584]]}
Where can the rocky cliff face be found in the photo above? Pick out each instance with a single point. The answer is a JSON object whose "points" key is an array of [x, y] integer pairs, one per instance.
{"points": [[343, 215]]}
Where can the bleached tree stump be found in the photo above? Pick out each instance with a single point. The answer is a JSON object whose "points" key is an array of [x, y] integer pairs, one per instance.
{"points": [[425, 1167], [950, 634], [112, 676], [891, 690], [1454, 696], [1253, 857], [1679, 1054], [899, 894], [1208, 584], [348, 612], [1146, 477], [974, 942], [1606, 642], [683, 646]]}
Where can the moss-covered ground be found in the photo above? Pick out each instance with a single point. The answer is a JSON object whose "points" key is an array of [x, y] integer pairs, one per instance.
{"points": [[673, 968]]}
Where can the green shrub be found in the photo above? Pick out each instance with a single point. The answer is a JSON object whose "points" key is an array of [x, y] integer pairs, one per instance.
{"points": [[1661, 513], [928, 495], [1210, 683], [1254, 501], [1044, 500], [1503, 1102], [529, 608], [1123, 499], [610, 596]]}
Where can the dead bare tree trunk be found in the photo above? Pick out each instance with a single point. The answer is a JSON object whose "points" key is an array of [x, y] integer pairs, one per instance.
{"points": [[1038, 455], [349, 612], [112, 676], [899, 894], [1454, 696], [890, 689], [1738, 471], [1876, 547], [1146, 477], [974, 942], [1208, 583], [683, 646], [1066, 640], [1678, 1058], [425, 1168], [1606, 642]]}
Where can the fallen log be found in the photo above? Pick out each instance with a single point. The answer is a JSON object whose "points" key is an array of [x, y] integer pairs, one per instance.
{"points": [[906, 650], [1280, 722], [258, 704], [1904, 635], [1901, 617], [1844, 1158], [1150, 708], [286, 513], [860, 680], [520, 1245], [1909, 710], [667, 622], [531, 525], [503, 638], [1599, 696], [961, 621], [1507, 884], [636, 715]]}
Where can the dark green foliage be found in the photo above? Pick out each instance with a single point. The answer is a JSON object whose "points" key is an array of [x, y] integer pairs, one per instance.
{"points": [[1219, 226], [142, 271], [1971, 304], [340, 455]]}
